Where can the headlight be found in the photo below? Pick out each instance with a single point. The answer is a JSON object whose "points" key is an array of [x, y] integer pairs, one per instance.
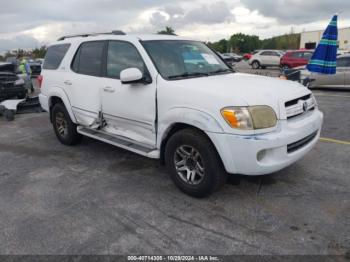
{"points": [[314, 101], [19, 82], [249, 118]]}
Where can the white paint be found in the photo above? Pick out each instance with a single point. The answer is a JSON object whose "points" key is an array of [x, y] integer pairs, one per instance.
{"points": [[145, 113], [12, 104]]}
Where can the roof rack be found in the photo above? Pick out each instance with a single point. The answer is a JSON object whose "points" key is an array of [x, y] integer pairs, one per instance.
{"points": [[115, 32]]}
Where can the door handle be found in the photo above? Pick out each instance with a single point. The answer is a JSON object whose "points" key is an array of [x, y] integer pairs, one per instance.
{"points": [[67, 82], [109, 89]]}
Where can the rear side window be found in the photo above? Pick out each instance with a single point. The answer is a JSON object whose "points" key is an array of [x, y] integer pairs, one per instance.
{"points": [[54, 56], [88, 59], [343, 62], [297, 55]]}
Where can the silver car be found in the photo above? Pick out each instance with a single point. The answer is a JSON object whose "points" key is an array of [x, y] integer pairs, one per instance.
{"points": [[340, 80]]}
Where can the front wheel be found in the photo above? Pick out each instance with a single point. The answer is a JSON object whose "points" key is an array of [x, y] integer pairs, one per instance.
{"points": [[65, 129], [194, 164], [256, 65]]}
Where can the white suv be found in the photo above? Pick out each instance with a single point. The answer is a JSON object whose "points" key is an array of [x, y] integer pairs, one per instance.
{"points": [[265, 58], [173, 99]]}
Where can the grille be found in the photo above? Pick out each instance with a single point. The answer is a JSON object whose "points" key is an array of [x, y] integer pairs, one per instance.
{"points": [[299, 106], [301, 143]]}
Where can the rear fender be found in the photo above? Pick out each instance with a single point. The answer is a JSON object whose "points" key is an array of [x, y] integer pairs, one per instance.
{"points": [[59, 92]]}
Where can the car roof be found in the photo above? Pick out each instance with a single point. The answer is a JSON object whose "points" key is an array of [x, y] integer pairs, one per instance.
{"points": [[99, 37]]}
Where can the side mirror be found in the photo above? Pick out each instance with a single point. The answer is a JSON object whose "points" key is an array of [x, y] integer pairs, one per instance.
{"points": [[131, 76]]}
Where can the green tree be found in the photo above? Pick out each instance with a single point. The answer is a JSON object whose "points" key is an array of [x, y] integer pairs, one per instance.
{"points": [[167, 31], [221, 46], [242, 43], [39, 52]]}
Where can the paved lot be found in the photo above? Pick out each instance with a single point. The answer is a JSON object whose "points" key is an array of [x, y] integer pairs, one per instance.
{"points": [[98, 199]]}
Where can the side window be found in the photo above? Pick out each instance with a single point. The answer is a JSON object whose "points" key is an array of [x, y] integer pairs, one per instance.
{"points": [[297, 55], [266, 53], [88, 59], [343, 62], [307, 55], [54, 56], [122, 55]]}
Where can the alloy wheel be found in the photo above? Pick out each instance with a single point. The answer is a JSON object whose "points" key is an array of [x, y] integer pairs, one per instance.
{"points": [[189, 165]]}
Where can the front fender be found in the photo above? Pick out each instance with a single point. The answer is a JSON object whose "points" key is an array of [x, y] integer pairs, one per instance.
{"points": [[59, 92], [193, 117]]}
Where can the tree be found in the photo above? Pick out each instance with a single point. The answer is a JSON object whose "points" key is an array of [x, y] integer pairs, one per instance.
{"points": [[39, 52], [221, 46], [168, 31], [242, 43]]}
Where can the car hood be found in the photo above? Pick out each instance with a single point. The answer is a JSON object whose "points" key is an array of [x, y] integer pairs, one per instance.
{"points": [[217, 92]]}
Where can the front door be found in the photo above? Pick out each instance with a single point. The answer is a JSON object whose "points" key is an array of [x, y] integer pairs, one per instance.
{"points": [[128, 109]]}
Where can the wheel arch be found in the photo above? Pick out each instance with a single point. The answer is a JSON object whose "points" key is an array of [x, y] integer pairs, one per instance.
{"points": [[59, 96], [179, 119]]}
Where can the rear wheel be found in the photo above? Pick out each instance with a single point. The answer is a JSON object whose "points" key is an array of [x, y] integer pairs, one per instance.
{"points": [[256, 65], [65, 129], [284, 67], [194, 164]]}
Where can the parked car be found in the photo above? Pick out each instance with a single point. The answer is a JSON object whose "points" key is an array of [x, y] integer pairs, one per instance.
{"points": [[35, 68], [293, 59], [236, 58], [174, 99], [265, 58], [11, 86], [247, 56], [340, 80]]}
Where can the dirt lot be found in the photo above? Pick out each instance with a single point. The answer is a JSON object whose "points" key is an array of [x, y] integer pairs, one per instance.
{"points": [[98, 199]]}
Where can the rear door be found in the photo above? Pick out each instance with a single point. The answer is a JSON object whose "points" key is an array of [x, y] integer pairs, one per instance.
{"points": [[346, 69], [129, 109], [83, 82], [275, 58]]}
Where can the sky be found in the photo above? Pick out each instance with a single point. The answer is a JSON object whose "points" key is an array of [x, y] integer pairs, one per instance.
{"points": [[32, 23]]}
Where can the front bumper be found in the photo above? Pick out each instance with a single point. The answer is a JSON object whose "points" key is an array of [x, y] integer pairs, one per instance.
{"points": [[271, 152]]}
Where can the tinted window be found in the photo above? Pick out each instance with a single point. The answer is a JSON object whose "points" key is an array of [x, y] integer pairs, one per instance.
{"points": [[275, 54], [122, 55], [297, 55], [88, 59], [307, 55], [55, 55], [343, 62]]}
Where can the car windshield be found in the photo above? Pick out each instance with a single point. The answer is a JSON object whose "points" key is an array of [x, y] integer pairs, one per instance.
{"points": [[184, 59]]}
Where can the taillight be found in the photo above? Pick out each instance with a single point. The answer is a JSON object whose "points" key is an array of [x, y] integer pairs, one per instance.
{"points": [[40, 80]]}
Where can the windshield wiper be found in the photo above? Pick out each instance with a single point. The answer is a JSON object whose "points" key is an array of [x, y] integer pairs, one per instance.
{"points": [[221, 71], [184, 75]]}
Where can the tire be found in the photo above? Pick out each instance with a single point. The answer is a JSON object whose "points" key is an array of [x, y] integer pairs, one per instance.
{"points": [[210, 173], [65, 129], [9, 115], [255, 65], [284, 67]]}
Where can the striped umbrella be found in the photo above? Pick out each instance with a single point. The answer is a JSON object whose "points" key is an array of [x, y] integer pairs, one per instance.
{"points": [[324, 59]]}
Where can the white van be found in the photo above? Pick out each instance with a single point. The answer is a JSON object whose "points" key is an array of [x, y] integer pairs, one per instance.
{"points": [[176, 100]]}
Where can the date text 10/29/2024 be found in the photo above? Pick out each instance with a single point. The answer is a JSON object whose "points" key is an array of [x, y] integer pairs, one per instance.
{"points": [[173, 258]]}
